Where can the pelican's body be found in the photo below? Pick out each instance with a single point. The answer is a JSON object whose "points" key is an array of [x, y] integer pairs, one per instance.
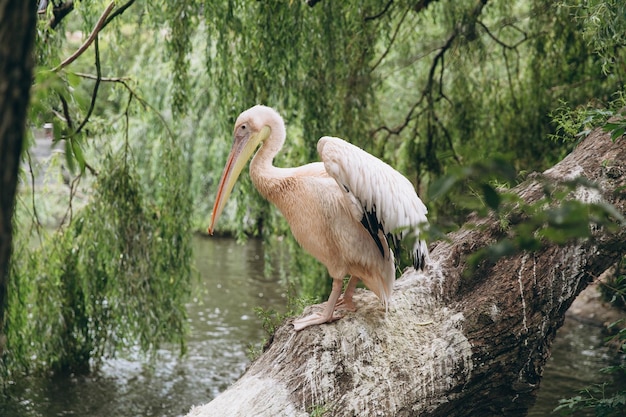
{"points": [[341, 210]]}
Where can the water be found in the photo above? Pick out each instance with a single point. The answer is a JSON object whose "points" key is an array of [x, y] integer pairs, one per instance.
{"points": [[222, 326], [578, 353]]}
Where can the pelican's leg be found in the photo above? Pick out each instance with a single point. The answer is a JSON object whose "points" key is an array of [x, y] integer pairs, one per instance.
{"points": [[345, 301], [328, 313]]}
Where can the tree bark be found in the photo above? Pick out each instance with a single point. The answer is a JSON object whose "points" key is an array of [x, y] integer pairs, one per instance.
{"points": [[489, 335], [17, 35]]}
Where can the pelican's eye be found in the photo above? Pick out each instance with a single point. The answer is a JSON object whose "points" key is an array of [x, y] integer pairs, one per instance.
{"points": [[242, 131]]}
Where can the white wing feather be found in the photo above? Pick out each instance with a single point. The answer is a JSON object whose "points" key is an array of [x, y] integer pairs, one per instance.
{"points": [[379, 190]]}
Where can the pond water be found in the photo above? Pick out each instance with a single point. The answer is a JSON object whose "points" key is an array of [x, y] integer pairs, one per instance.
{"points": [[222, 327], [578, 353]]}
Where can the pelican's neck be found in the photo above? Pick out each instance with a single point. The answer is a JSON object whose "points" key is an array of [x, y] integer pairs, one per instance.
{"points": [[263, 159], [261, 166]]}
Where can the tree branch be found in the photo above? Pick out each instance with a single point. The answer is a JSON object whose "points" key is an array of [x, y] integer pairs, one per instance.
{"points": [[490, 331], [66, 117], [36, 220], [94, 94], [500, 42], [133, 93], [69, 213], [118, 12], [407, 119], [428, 93], [382, 12], [422, 5], [90, 39], [391, 42], [58, 12], [103, 79]]}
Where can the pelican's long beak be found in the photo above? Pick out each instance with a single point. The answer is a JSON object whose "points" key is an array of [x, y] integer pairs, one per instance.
{"points": [[240, 153]]}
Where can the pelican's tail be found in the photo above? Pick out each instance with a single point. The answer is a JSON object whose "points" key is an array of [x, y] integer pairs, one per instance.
{"points": [[384, 287]]}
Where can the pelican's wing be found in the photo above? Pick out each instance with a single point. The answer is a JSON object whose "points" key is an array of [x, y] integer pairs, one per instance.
{"points": [[387, 199]]}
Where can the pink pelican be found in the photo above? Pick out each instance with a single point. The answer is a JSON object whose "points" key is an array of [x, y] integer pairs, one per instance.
{"points": [[348, 211]]}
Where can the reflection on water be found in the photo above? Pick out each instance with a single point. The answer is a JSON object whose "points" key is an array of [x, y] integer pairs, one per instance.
{"points": [[578, 353], [222, 325]]}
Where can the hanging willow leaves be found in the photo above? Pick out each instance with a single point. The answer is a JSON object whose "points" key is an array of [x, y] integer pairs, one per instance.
{"points": [[457, 95], [118, 276]]}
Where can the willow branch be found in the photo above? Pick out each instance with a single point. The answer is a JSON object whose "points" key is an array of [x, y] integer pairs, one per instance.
{"points": [[37, 222], [102, 79], [94, 94], [118, 12], [69, 213], [399, 128], [376, 16], [506, 47], [393, 39], [499, 41], [446, 133], [422, 4], [66, 111], [58, 12], [94, 33], [133, 93], [426, 92]]}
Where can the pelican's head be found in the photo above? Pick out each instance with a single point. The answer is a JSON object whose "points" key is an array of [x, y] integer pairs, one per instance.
{"points": [[252, 128]]}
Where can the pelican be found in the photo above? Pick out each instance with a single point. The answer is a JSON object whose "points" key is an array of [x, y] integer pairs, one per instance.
{"points": [[349, 211]]}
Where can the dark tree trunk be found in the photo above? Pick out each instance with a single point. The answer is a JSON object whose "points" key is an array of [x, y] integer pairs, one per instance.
{"points": [[489, 334], [17, 35]]}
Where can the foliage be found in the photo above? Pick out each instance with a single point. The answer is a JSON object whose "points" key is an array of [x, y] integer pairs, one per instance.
{"points": [[614, 288], [271, 319], [318, 410], [473, 187], [559, 216], [603, 26], [116, 272], [594, 398], [490, 75], [575, 124], [436, 89], [117, 276], [617, 128], [427, 89], [602, 23]]}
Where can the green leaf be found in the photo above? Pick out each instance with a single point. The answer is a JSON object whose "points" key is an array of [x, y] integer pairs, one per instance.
{"points": [[568, 221], [78, 154], [492, 198], [616, 133], [441, 186], [69, 156], [611, 211], [73, 79]]}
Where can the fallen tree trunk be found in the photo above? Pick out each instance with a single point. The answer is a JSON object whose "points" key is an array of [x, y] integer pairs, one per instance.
{"points": [[489, 334]]}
